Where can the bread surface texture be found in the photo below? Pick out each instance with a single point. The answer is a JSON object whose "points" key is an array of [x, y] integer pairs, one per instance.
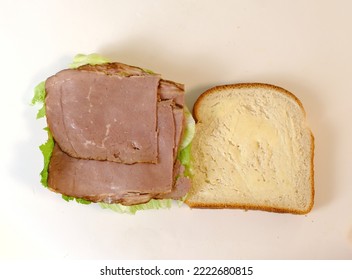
{"points": [[253, 149]]}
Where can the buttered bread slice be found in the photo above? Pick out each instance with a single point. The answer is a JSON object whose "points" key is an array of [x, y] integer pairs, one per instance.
{"points": [[253, 149]]}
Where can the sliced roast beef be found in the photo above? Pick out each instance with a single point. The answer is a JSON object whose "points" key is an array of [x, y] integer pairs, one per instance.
{"points": [[170, 90], [179, 190], [114, 68], [117, 182], [179, 120], [93, 115], [167, 90], [181, 184], [117, 130]]}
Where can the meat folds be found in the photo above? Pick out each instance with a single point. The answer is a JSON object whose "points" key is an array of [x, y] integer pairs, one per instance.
{"points": [[117, 129]]}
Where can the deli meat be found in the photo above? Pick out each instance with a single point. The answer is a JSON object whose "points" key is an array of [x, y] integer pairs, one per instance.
{"points": [[117, 182], [181, 185], [117, 130], [179, 120], [169, 90], [112, 117]]}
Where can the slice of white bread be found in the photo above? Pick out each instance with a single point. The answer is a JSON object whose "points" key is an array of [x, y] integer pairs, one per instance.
{"points": [[252, 149]]}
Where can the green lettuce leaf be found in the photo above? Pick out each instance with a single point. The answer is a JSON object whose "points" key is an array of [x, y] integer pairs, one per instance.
{"points": [[184, 153], [152, 204], [47, 150], [48, 146], [82, 59], [184, 156], [190, 129], [79, 200], [38, 98]]}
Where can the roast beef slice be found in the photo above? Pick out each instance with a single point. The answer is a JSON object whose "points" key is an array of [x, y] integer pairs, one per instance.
{"points": [[93, 115], [113, 182], [181, 184], [169, 90], [179, 120]]}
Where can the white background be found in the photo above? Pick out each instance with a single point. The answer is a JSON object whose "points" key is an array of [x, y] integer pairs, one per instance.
{"points": [[303, 46]]}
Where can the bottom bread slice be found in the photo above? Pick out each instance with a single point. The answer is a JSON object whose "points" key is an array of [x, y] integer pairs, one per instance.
{"points": [[253, 149]]}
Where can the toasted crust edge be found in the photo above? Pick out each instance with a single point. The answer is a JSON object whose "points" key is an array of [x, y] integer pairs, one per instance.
{"points": [[214, 90]]}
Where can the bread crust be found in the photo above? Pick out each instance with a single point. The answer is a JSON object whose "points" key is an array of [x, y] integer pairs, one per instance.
{"points": [[248, 207], [242, 86], [197, 118]]}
